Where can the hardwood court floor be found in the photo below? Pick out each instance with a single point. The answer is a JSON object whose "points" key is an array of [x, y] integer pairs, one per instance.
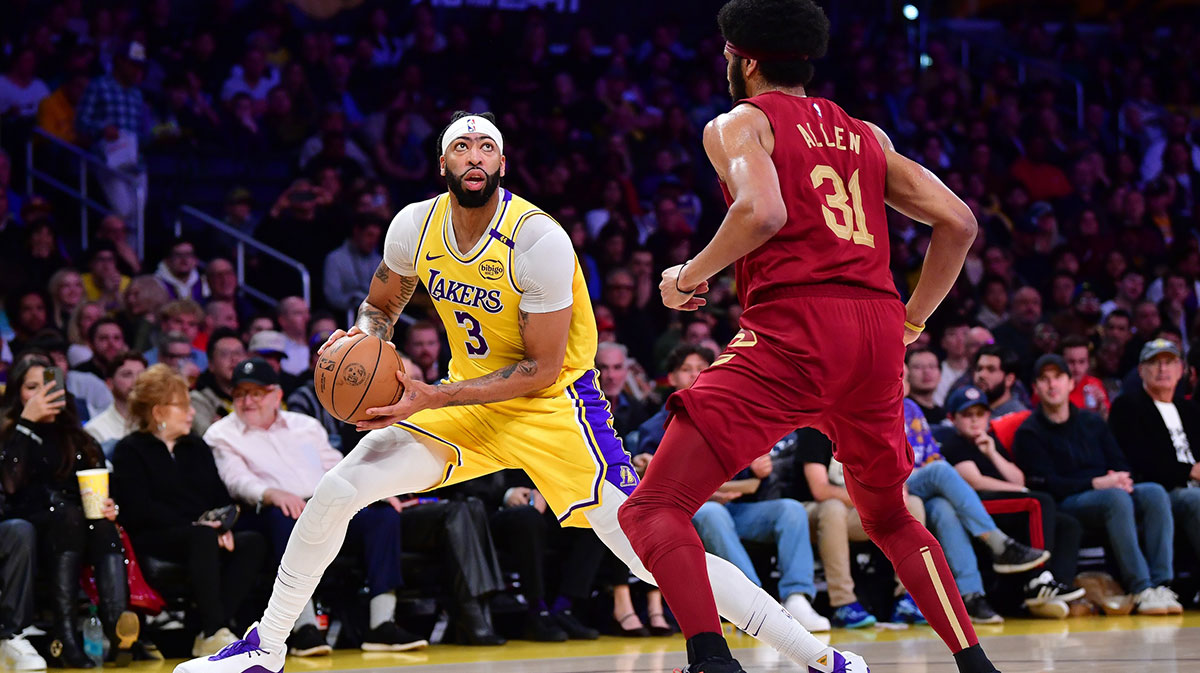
{"points": [[1091, 645]]}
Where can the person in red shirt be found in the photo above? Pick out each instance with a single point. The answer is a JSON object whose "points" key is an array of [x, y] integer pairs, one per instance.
{"points": [[823, 330]]}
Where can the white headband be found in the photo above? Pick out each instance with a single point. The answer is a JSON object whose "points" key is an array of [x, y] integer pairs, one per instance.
{"points": [[472, 124]]}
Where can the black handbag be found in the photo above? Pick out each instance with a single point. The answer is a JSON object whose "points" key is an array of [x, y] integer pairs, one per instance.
{"points": [[227, 516]]}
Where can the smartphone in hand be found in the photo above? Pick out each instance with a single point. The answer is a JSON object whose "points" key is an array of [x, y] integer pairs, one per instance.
{"points": [[55, 375]]}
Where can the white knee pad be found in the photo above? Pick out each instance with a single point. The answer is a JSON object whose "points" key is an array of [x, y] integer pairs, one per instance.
{"points": [[332, 504]]}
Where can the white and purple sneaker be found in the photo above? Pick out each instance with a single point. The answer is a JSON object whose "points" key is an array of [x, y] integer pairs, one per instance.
{"points": [[243, 656], [832, 661]]}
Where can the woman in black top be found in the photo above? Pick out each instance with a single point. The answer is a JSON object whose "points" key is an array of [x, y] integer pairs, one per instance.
{"points": [[166, 479], [42, 445]]}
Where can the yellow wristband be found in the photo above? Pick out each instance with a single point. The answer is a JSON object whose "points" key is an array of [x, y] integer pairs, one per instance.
{"points": [[915, 328]]}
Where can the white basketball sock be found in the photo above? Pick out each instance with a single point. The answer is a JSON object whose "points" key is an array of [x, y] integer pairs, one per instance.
{"points": [[383, 608]]}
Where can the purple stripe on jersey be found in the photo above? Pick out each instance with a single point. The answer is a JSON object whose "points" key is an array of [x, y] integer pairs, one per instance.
{"points": [[592, 411]]}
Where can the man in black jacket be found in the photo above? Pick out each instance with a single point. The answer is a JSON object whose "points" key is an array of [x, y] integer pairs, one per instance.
{"points": [[1160, 433], [1072, 455]]}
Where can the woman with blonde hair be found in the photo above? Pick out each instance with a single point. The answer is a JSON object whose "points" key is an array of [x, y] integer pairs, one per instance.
{"points": [[66, 294], [176, 507], [80, 323], [144, 296]]}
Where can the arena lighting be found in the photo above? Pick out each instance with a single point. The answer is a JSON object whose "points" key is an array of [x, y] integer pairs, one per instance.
{"points": [[911, 12], [926, 60]]}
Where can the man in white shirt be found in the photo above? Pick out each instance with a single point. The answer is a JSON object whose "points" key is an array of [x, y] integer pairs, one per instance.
{"points": [[112, 424], [272, 460], [1160, 433]]}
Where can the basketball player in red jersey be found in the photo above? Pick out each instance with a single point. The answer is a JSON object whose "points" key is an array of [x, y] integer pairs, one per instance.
{"points": [[823, 328]]}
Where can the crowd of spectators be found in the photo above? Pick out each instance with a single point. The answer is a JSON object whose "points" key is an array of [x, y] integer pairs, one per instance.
{"points": [[1088, 255]]}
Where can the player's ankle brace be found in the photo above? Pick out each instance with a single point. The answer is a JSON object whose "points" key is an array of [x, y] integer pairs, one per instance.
{"points": [[704, 646], [973, 660]]}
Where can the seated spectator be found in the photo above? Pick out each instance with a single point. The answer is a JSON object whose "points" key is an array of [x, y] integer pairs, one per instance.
{"points": [[349, 269], [84, 316], [423, 343], [271, 460], [923, 378], [139, 315], [185, 317], [167, 479], [272, 347], [957, 361], [1017, 334], [103, 281], [21, 90], [612, 359], [105, 342], [1072, 455], [177, 271], [28, 313], [977, 454], [1159, 432], [995, 373], [176, 351], [955, 515], [212, 399], [42, 444], [18, 539], [90, 393], [832, 512], [112, 424], [993, 292], [1089, 393], [293, 317], [223, 286], [114, 230], [66, 294], [749, 507], [219, 313], [56, 112]]}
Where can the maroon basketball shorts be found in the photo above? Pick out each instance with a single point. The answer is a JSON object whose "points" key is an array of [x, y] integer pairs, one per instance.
{"points": [[828, 357]]}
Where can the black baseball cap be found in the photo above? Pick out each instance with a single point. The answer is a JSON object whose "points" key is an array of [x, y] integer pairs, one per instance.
{"points": [[257, 371], [1050, 360]]}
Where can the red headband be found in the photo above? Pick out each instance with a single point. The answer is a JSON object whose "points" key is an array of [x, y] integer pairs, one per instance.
{"points": [[765, 55]]}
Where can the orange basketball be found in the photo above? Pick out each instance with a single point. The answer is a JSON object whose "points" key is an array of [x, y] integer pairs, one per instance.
{"points": [[355, 374]]}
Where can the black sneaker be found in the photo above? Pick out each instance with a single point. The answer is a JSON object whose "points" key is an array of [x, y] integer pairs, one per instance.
{"points": [[542, 627], [308, 641], [576, 630], [389, 637], [1017, 558], [714, 666], [979, 611], [1045, 588]]}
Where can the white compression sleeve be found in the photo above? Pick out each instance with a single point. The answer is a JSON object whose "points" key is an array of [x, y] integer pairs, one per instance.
{"points": [[385, 462], [738, 599]]}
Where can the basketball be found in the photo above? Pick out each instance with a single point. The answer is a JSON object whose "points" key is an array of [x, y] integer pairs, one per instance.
{"points": [[355, 374]]}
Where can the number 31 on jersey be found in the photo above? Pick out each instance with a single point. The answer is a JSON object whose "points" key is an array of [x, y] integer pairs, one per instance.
{"points": [[855, 226]]}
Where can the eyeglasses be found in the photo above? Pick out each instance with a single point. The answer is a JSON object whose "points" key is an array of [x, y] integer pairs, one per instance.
{"points": [[255, 394]]}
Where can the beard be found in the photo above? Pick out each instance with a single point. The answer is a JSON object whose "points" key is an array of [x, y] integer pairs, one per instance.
{"points": [[737, 81], [995, 392], [472, 199]]}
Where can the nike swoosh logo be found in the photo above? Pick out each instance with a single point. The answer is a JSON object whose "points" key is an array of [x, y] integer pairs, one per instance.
{"points": [[430, 258]]}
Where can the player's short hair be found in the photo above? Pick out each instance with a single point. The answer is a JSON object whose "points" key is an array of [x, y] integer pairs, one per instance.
{"points": [[459, 114], [1010, 362], [682, 352], [778, 27]]}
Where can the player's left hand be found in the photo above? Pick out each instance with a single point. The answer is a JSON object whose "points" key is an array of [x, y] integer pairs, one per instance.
{"points": [[417, 396], [681, 301]]}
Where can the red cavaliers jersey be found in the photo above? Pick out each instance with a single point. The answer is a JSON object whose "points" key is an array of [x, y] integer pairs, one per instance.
{"points": [[831, 173]]}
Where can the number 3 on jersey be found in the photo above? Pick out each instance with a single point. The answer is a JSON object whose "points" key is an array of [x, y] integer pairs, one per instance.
{"points": [[855, 227], [477, 346]]}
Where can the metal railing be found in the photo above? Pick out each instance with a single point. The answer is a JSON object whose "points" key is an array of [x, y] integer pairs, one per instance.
{"points": [[244, 240], [86, 160]]}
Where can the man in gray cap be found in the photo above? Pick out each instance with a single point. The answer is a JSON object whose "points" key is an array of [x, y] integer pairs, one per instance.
{"points": [[272, 346], [1160, 433], [1072, 455]]}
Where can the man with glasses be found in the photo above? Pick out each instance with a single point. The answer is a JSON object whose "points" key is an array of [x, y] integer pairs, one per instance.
{"points": [[272, 459], [1159, 430], [177, 271]]}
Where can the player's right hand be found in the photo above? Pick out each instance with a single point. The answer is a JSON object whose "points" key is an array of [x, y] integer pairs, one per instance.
{"points": [[337, 335]]}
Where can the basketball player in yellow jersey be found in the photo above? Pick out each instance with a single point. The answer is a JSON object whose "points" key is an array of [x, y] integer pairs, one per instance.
{"points": [[521, 393]]}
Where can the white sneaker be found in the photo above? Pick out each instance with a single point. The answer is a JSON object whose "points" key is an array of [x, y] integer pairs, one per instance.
{"points": [[1049, 609], [205, 647], [1171, 600], [832, 661], [243, 656], [800, 609], [1152, 602], [18, 654]]}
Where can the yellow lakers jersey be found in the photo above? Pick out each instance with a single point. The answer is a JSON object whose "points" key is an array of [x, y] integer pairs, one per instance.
{"points": [[478, 296]]}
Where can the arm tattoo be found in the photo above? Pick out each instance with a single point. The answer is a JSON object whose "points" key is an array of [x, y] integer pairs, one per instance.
{"points": [[379, 321], [467, 392]]}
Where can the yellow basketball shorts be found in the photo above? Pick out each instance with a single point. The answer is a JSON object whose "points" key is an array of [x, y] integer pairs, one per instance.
{"points": [[566, 444]]}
